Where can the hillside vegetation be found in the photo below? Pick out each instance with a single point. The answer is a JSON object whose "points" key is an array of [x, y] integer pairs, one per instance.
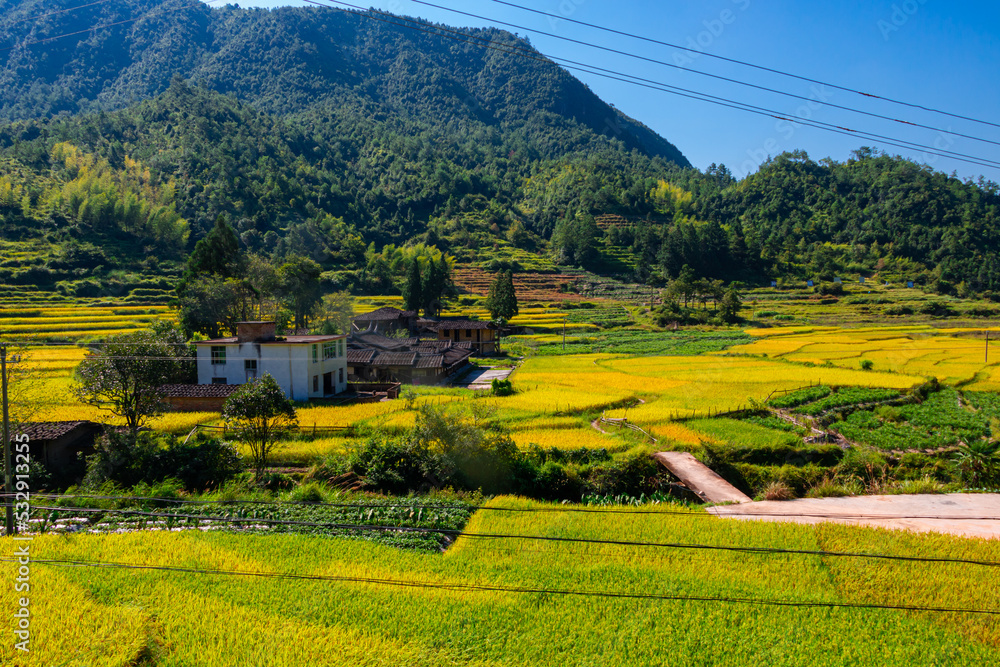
{"points": [[330, 135]]}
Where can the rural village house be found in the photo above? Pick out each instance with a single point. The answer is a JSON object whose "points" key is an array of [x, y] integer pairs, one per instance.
{"points": [[304, 366]]}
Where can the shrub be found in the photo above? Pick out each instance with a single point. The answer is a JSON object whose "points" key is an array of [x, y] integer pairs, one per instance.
{"points": [[867, 364], [778, 490], [502, 387], [152, 458], [828, 488]]}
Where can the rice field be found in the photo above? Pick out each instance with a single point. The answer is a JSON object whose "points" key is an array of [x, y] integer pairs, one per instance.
{"points": [[558, 396], [77, 321], [951, 355], [115, 617]]}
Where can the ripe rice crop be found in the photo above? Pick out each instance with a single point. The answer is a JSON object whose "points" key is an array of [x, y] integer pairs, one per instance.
{"points": [[564, 438], [112, 617]]}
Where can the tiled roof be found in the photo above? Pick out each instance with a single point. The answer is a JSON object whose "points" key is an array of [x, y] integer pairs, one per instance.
{"points": [[53, 430], [385, 314], [456, 355], [367, 339], [462, 324], [430, 361], [199, 390], [360, 356], [395, 359]]}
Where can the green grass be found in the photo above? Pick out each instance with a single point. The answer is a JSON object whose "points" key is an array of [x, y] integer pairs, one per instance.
{"points": [[736, 432], [629, 341]]}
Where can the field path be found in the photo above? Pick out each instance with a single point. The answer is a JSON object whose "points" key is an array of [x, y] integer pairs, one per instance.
{"points": [[965, 514], [700, 478]]}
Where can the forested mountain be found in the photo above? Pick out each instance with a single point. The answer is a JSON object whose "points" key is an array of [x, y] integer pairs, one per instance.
{"points": [[331, 135]]}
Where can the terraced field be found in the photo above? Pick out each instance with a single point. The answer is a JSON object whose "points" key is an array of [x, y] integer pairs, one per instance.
{"points": [[76, 322]]}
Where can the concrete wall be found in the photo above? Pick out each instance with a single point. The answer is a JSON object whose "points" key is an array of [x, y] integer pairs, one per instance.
{"points": [[291, 365]]}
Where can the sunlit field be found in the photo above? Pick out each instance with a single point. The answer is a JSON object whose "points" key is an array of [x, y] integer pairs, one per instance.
{"points": [[951, 355], [98, 617], [558, 396]]}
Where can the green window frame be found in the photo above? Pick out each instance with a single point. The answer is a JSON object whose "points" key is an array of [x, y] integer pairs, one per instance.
{"points": [[218, 355]]}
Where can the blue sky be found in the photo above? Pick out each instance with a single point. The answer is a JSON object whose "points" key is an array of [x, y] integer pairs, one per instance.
{"points": [[928, 52]]}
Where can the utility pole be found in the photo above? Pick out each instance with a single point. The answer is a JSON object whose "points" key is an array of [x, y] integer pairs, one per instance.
{"points": [[8, 471], [987, 347], [564, 333]]}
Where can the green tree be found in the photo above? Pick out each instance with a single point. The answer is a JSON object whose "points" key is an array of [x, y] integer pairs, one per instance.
{"points": [[258, 411], [217, 254], [125, 375], [730, 305], [413, 290], [336, 313], [299, 285], [501, 299]]}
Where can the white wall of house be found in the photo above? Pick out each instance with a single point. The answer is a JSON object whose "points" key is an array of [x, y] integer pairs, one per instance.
{"points": [[292, 364]]}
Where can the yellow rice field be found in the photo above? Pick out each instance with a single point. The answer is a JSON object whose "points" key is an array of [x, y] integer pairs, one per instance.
{"points": [[102, 617], [558, 395]]}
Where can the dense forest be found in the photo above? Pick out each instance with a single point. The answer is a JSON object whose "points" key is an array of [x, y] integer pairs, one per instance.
{"points": [[331, 136]]}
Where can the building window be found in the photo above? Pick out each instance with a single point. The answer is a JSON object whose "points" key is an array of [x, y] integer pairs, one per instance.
{"points": [[341, 341], [315, 353], [219, 381], [330, 350], [315, 383], [250, 366], [341, 375], [468, 333], [218, 355]]}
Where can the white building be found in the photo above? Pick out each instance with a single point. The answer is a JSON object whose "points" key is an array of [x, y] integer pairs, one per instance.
{"points": [[304, 366]]}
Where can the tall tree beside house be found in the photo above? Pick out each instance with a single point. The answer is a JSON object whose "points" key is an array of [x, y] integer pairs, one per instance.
{"points": [[435, 285], [299, 286], [126, 374], [413, 298], [258, 412], [218, 253], [501, 300]]}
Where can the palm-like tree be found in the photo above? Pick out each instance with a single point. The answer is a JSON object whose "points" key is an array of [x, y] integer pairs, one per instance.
{"points": [[979, 462]]}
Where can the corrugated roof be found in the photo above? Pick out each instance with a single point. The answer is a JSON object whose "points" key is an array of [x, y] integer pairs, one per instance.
{"points": [[199, 390], [385, 314]]}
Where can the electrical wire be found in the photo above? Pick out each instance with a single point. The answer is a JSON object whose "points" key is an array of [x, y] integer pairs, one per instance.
{"points": [[107, 25], [453, 533], [61, 11], [562, 509], [707, 74], [656, 85], [748, 64], [493, 588]]}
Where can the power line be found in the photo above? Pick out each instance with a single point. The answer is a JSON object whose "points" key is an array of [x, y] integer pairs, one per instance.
{"points": [[561, 509], [493, 588], [107, 25], [655, 85], [708, 74], [454, 533], [748, 64], [61, 11]]}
